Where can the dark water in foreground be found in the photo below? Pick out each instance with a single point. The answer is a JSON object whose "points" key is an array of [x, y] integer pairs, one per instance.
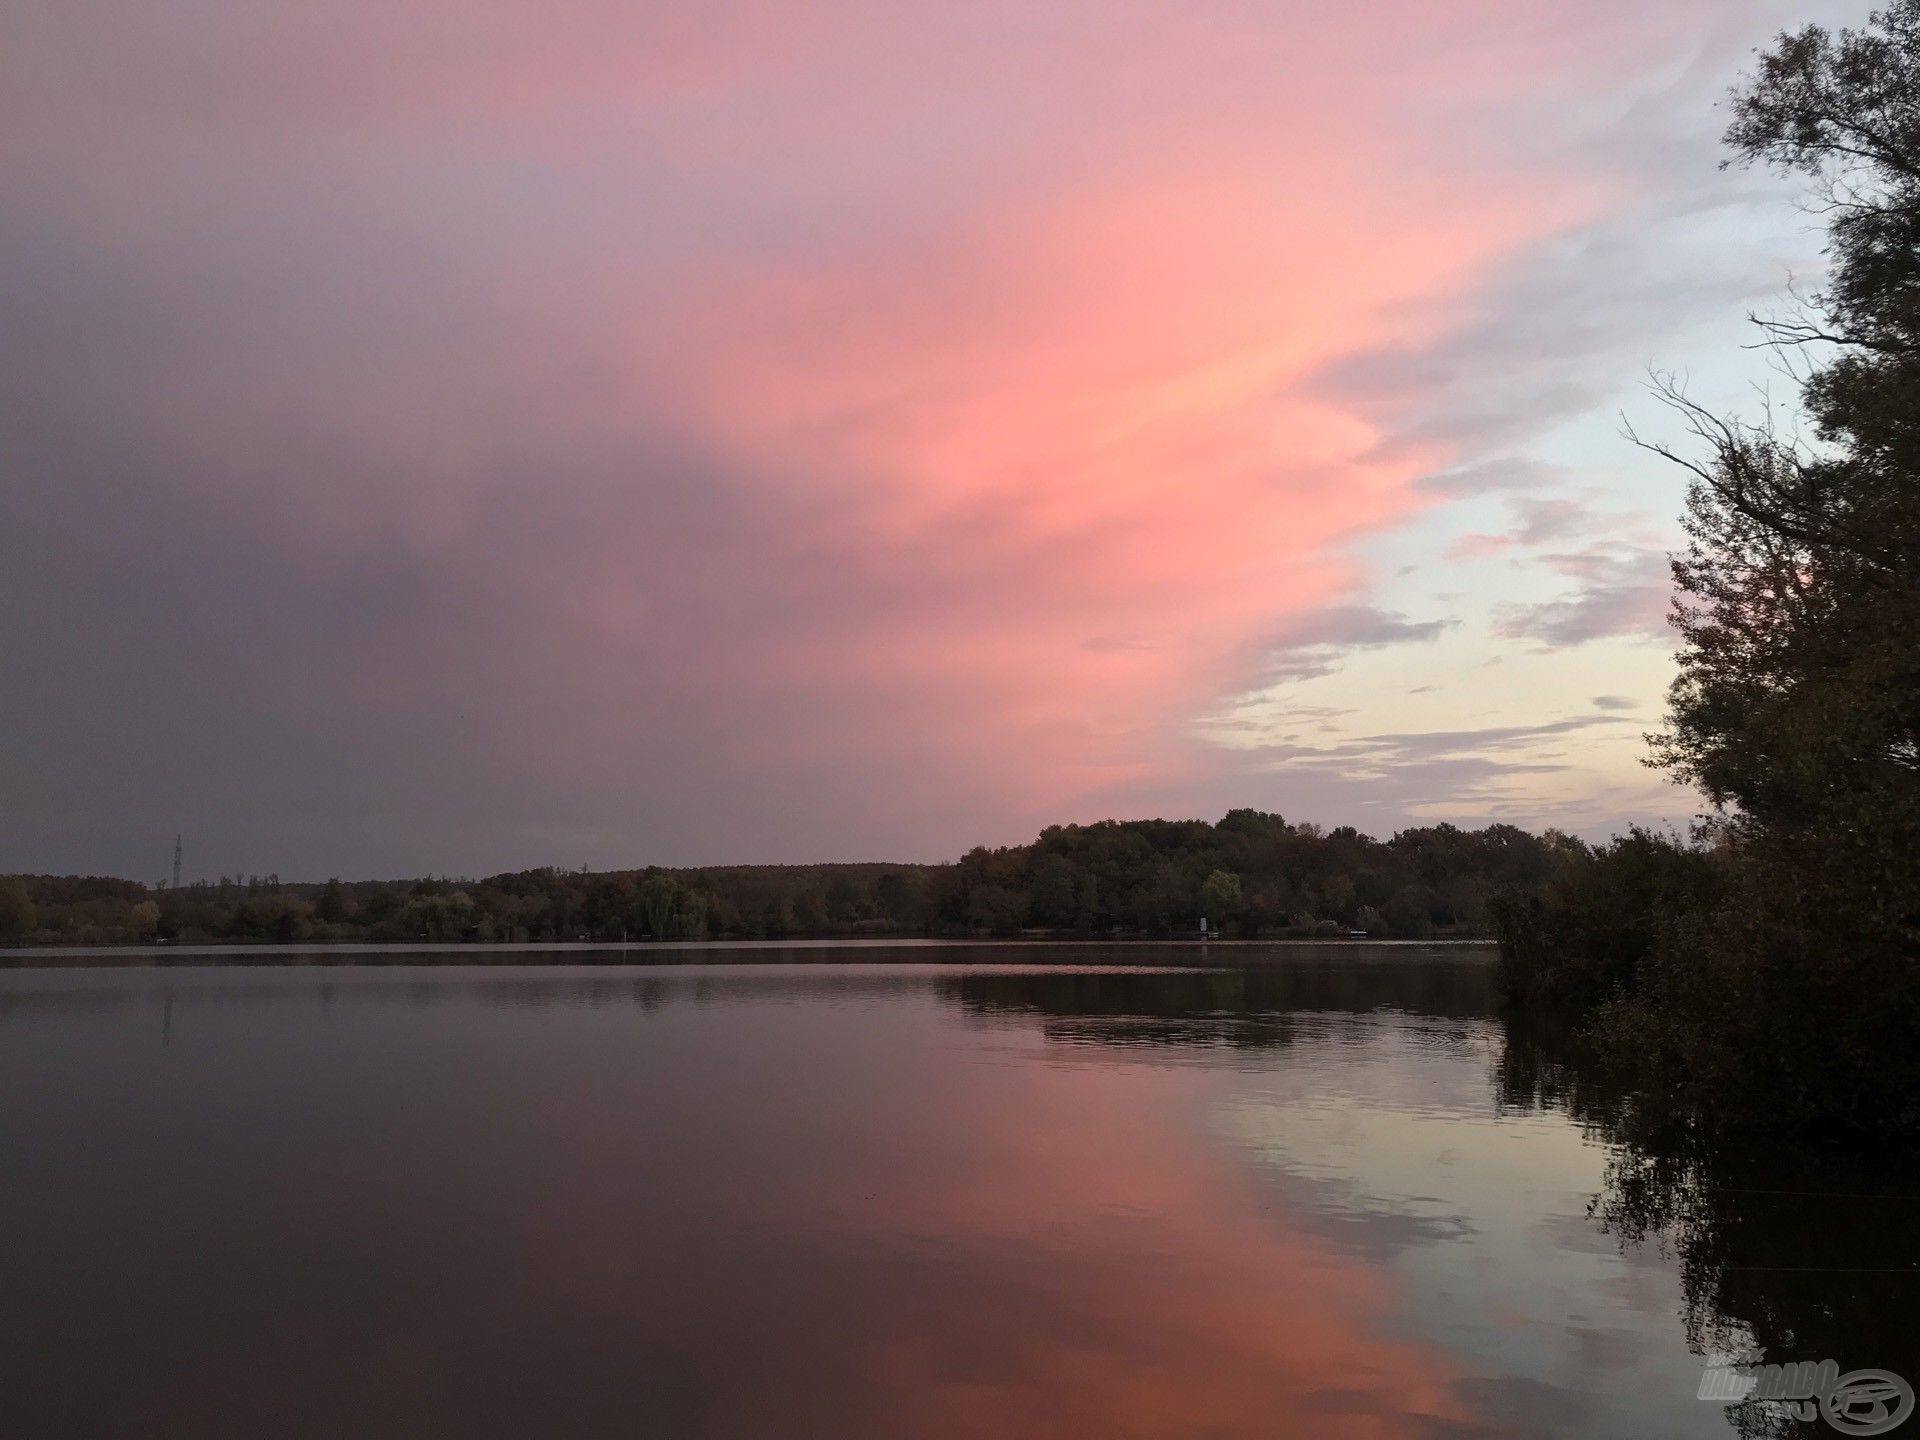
{"points": [[1328, 1197]]}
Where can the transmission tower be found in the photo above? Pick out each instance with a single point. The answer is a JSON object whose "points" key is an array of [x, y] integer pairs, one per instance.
{"points": [[176, 861]]}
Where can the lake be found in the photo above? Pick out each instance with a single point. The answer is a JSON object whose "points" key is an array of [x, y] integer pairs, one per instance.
{"points": [[968, 1192]]}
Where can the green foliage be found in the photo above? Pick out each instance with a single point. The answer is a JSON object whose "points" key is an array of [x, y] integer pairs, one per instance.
{"points": [[1220, 894], [995, 909], [1770, 978], [1253, 873], [434, 918], [17, 914], [1580, 939], [1410, 912], [1797, 706], [1750, 1010]]}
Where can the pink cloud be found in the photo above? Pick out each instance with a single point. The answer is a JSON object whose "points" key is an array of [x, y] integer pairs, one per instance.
{"points": [[697, 417]]}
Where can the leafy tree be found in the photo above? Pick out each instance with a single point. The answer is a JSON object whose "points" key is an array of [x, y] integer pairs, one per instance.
{"points": [[331, 906], [659, 902], [1409, 912], [1767, 977], [997, 909], [17, 915], [1582, 938], [437, 917], [1253, 870], [1797, 705], [1055, 891], [1220, 895]]}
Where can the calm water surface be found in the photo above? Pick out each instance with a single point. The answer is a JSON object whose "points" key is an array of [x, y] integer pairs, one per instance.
{"points": [[1326, 1196]]}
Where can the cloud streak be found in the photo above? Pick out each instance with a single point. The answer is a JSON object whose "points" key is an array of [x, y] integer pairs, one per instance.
{"points": [[1313, 642], [1621, 590]]}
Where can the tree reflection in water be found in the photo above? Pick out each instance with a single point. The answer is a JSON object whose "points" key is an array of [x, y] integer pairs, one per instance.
{"points": [[1786, 1252], [1250, 1008]]}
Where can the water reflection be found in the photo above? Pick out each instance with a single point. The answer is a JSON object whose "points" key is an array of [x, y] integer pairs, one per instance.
{"points": [[876, 1200], [1239, 1008], [1786, 1251]]}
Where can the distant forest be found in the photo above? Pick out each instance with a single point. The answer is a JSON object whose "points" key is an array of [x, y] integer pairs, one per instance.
{"points": [[1253, 875]]}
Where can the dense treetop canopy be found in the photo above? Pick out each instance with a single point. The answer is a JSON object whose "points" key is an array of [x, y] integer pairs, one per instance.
{"points": [[1251, 874]]}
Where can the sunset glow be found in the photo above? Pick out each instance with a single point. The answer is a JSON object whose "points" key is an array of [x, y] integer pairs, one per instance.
{"points": [[756, 432]]}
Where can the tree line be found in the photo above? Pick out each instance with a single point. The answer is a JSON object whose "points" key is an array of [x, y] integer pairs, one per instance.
{"points": [[1252, 874]]}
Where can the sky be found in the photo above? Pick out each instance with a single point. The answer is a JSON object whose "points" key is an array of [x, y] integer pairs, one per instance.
{"points": [[456, 437]]}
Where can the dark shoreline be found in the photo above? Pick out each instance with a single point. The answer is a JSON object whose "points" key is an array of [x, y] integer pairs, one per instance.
{"points": [[1243, 952]]}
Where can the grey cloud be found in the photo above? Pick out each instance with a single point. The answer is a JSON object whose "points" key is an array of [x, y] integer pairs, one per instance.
{"points": [[1470, 771], [1540, 520], [1314, 642], [1623, 590], [1384, 781], [1503, 473], [1554, 333], [1397, 748], [1614, 702], [427, 629]]}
